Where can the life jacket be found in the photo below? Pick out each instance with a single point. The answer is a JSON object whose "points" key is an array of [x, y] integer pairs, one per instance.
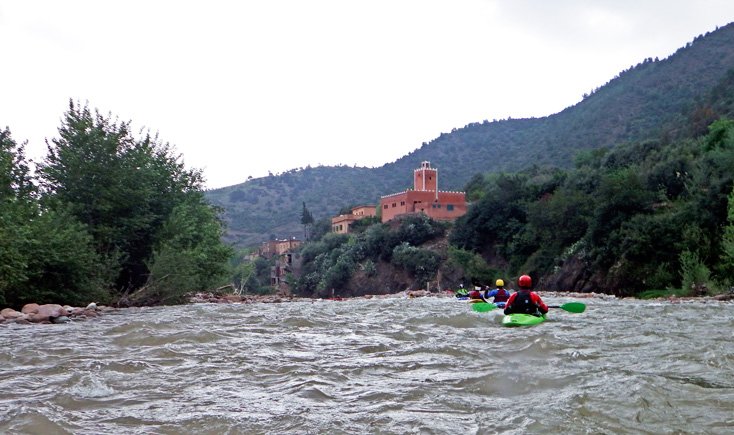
{"points": [[502, 295], [475, 294], [523, 303]]}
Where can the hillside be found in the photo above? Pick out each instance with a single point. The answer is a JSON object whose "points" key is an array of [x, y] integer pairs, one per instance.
{"points": [[653, 99]]}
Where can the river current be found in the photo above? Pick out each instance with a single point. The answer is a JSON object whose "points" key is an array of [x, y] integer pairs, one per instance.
{"points": [[377, 366]]}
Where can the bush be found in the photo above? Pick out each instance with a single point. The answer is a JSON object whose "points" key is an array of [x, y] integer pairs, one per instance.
{"points": [[369, 268], [472, 265], [694, 273], [336, 276], [420, 263]]}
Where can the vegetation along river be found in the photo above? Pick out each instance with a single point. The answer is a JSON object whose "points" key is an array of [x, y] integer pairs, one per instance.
{"points": [[379, 366]]}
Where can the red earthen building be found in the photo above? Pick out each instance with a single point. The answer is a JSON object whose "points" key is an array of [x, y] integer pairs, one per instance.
{"points": [[425, 198]]}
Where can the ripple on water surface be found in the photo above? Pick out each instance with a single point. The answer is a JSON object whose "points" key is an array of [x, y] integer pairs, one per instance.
{"points": [[426, 365]]}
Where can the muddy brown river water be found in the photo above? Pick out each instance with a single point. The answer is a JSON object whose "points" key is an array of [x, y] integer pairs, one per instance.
{"points": [[379, 366]]}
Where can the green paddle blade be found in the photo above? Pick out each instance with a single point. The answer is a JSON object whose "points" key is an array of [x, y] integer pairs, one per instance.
{"points": [[571, 307], [483, 307]]}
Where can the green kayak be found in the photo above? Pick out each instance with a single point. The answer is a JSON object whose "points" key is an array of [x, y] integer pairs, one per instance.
{"points": [[512, 320]]}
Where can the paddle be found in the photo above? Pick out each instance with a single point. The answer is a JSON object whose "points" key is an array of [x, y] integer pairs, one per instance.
{"points": [[571, 307], [484, 306]]}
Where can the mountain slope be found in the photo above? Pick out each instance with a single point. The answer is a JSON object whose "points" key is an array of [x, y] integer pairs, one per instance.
{"points": [[652, 99]]}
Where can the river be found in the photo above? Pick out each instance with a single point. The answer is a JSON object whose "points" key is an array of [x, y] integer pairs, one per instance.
{"points": [[377, 366]]}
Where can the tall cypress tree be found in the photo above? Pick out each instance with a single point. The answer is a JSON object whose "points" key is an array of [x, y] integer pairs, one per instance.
{"points": [[307, 222]]}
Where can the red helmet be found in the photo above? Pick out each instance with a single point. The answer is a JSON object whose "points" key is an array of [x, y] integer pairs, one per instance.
{"points": [[525, 281]]}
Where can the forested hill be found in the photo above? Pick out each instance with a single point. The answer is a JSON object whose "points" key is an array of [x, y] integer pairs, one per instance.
{"points": [[656, 98]]}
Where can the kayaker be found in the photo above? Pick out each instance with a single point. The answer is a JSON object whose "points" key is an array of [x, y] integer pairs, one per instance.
{"points": [[461, 292], [499, 294], [475, 294], [525, 301]]}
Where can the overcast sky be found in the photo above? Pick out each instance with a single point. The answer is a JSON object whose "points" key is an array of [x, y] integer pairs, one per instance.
{"points": [[243, 88]]}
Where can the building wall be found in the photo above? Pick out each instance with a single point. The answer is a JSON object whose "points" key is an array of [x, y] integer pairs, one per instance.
{"points": [[283, 246], [277, 247], [342, 224], [448, 206], [424, 198], [287, 263], [425, 178], [267, 249], [365, 211]]}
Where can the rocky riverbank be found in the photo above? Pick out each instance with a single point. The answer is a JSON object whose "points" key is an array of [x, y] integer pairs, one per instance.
{"points": [[50, 313], [54, 313]]}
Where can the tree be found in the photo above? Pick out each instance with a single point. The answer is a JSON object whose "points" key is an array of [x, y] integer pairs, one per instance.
{"points": [[320, 228], [421, 263], [46, 255], [727, 243], [244, 275], [624, 196], [496, 217], [307, 222], [188, 256], [59, 263], [15, 213], [15, 175], [128, 192], [472, 265]]}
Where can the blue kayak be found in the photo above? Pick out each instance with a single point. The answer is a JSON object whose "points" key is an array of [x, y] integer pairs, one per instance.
{"points": [[513, 320]]}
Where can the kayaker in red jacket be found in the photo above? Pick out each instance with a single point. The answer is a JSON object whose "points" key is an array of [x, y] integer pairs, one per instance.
{"points": [[475, 294], [524, 301]]}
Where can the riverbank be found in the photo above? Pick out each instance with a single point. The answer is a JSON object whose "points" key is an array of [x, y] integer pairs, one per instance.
{"points": [[55, 314], [51, 313], [214, 297]]}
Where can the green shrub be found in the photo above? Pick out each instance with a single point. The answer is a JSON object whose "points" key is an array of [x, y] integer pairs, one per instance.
{"points": [[369, 268], [694, 272], [420, 263], [472, 265]]}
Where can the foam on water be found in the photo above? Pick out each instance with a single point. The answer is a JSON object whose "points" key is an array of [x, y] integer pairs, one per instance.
{"points": [[425, 365]]}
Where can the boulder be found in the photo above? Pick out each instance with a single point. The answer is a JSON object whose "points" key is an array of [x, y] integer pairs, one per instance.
{"points": [[10, 313], [76, 311], [29, 308], [233, 298], [89, 313], [47, 312]]}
